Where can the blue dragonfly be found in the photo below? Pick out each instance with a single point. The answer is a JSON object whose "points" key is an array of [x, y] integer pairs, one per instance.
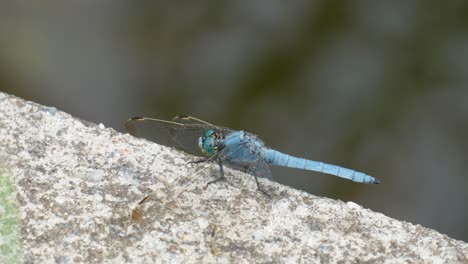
{"points": [[228, 147]]}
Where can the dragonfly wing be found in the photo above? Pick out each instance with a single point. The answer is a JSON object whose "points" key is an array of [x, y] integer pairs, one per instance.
{"points": [[169, 133], [240, 157], [262, 170], [190, 120], [186, 119]]}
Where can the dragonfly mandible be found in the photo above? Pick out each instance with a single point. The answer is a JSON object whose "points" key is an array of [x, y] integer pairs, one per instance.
{"points": [[233, 148]]}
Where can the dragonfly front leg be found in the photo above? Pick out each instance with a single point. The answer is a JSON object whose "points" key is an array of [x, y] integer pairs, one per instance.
{"points": [[213, 157], [221, 172]]}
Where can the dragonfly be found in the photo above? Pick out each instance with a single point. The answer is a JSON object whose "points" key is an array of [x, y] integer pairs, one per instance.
{"points": [[236, 149]]}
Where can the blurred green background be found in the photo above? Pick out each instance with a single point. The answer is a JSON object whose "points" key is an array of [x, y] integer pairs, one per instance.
{"points": [[376, 86]]}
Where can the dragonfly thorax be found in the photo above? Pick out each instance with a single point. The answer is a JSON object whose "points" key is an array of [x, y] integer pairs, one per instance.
{"points": [[211, 142]]}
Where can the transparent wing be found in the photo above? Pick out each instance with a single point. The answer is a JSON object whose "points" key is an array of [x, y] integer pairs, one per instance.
{"points": [[258, 167], [262, 170], [182, 133], [185, 119], [190, 120]]}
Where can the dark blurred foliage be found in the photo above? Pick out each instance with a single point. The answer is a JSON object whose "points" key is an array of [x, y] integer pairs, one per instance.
{"points": [[377, 86]]}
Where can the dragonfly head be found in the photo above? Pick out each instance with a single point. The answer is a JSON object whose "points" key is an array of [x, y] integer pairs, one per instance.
{"points": [[210, 141]]}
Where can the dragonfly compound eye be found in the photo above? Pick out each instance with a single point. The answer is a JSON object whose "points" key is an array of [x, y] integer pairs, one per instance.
{"points": [[208, 142], [209, 146]]}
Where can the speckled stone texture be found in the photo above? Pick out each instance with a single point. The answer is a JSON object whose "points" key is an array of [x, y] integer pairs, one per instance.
{"points": [[78, 183]]}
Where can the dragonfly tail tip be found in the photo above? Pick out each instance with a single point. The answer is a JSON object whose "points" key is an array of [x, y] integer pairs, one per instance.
{"points": [[376, 181]]}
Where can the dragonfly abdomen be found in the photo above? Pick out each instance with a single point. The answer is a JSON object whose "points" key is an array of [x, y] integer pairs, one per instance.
{"points": [[280, 159]]}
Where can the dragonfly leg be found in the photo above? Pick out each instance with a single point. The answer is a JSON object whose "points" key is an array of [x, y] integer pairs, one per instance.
{"points": [[259, 188], [221, 172], [214, 157], [197, 161]]}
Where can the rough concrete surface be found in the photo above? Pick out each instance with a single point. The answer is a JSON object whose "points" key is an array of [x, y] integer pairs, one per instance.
{"points": [[78, 185]]}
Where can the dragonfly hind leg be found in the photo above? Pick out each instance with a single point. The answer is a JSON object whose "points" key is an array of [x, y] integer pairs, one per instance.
{"points": [[260, 189], [260, 169]]}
